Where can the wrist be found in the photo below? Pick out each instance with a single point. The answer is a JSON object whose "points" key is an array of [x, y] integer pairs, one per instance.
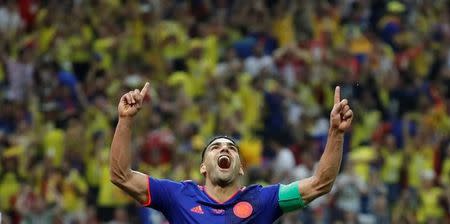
{"points": [[126, 119], [335, 132]]}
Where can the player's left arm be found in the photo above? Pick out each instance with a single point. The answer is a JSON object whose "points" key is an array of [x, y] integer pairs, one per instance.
{"points": [[299, 193]]}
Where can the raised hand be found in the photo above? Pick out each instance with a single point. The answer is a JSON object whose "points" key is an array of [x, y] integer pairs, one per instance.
{"points": [[341, 115], [131, 102]]}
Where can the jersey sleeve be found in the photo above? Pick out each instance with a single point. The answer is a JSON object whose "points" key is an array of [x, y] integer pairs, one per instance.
{"points": [[269, 197], [289, 197], [161, 194]]}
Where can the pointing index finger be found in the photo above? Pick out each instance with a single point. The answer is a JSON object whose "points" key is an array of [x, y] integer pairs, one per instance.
{"points": [[144, 90], [337, 95]]}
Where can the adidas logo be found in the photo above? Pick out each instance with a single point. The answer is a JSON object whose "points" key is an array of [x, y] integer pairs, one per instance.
{"points": [[197, 209]]}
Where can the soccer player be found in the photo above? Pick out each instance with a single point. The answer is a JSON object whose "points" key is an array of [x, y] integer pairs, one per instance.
{"points": [[222, 199]]}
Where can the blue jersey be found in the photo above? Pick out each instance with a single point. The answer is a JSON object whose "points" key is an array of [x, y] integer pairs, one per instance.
{"points": [[187, 202]]}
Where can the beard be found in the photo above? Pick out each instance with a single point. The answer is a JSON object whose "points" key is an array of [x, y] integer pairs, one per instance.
{"points": [[224, 178]]}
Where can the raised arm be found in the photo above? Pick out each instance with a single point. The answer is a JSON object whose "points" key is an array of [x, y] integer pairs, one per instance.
{"points": [[322, 181], [132, 182], [299, 193]]}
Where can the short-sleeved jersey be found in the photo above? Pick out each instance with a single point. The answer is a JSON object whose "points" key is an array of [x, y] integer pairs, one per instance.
{"points": [[187, 202]]}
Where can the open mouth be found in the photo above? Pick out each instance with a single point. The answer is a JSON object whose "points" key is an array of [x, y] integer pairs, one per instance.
{"points": [[224, 162]]}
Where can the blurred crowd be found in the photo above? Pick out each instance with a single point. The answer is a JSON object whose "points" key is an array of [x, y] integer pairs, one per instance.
{"points": [[261, 71]]}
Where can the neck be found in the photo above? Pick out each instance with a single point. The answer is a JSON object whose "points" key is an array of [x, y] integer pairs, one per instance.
{"points": [[221, 193]]}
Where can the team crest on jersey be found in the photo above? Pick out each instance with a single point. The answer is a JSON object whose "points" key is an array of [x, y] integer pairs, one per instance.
{"points": [[243, 209]]}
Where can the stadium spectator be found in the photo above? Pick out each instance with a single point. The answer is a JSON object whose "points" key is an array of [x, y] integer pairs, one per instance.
{"points": [[248, 69]]}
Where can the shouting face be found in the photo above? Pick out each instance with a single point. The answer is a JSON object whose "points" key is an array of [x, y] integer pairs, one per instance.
{"points": [[221, 163]]}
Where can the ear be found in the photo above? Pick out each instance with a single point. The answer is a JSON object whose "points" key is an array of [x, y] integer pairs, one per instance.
{"points": [[203, 169], [241, 170]]}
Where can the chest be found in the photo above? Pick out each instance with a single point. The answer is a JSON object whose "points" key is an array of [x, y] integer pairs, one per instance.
{"points": [[240, 211]]}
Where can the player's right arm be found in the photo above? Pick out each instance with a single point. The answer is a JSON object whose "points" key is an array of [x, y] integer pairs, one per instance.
{"points": [[130, 181]]}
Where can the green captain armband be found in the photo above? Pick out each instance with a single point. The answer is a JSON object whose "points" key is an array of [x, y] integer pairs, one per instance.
{"points": [[289, 197]]}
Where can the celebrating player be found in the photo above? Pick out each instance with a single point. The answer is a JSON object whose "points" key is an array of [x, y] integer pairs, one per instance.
{"points": [[222, 199]]}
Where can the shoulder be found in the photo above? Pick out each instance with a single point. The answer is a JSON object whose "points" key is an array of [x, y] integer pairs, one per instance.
{"points": [[259, 189], [165, 188], [170, 184], [184, 183], [190, 184]]}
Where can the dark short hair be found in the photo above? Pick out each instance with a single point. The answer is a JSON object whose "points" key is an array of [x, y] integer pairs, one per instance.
{"points": [[215, 138]]}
